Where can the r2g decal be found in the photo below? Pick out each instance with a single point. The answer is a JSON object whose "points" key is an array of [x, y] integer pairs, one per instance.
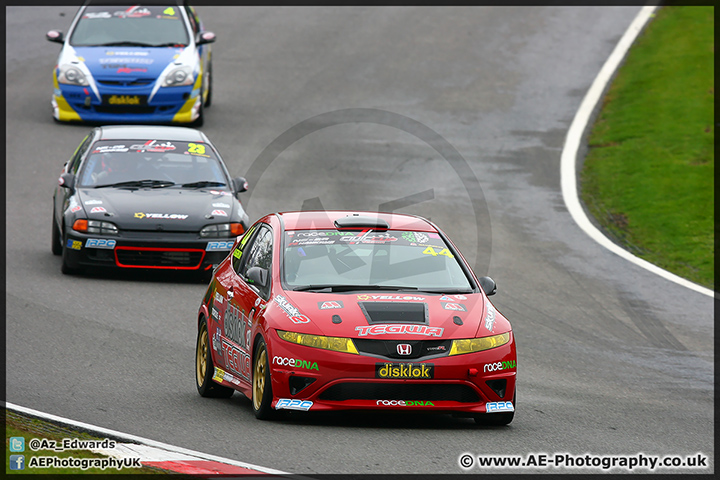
{"points": [[218, 246], [293, 404], [100, 243]]}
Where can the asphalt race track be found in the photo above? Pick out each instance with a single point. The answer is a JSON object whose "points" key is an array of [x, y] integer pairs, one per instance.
{"points": [[456, 114]]}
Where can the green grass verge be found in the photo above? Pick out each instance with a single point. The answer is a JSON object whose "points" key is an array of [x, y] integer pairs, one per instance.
{"points": [[648, 177], [17, 425]]}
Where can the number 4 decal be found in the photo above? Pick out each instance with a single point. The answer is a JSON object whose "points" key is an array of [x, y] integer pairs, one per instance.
{"points": [[431, 251]]}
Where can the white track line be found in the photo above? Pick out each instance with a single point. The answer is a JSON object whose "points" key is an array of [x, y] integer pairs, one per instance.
{"points": [[568, 178], [171, 452]]}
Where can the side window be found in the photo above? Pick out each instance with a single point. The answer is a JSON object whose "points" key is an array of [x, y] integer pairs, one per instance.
{"points": [[193, 19], [79, 153], [238, 252], [259, 254]]}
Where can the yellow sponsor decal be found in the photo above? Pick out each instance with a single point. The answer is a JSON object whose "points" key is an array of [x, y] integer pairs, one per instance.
{"points": [[405, 370], [124, 100], [219, 374]]}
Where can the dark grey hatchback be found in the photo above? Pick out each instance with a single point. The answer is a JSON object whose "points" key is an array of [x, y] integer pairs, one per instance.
{"points": [[150, 197]]}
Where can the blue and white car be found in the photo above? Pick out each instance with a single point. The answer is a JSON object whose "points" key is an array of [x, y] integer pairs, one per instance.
{"points": [[132, 63]]}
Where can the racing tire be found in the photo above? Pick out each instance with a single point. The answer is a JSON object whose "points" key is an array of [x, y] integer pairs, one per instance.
{"points": [[65, 268], [57, 248], [205, 369], [261, 385], [208, 100], [497, 419]]}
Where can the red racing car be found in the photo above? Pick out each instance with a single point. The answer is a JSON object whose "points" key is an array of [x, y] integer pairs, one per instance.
{"points": [[334, 310]]}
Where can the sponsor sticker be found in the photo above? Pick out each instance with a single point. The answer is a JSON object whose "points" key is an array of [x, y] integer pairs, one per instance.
{"points": [[390, 297], [221, 205], [494, 367], [237, 360], [74, 244], [98, 210], [490, 318], [458, 307], [493, 407], [93, 202], [76, 208], [219, 374], [159, 216], [404, 329], [405, 403], [415, 371], [290, 310], [330, 304], [219, 213], [293, 404], [100, 243], [218, 246], [295, 362]]}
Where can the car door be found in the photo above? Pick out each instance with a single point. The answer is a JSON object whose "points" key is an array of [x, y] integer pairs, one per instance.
{"points": [[62, 195], [244, 301]]}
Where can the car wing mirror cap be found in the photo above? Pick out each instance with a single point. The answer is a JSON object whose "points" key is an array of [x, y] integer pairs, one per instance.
{"points": [[488, 285], [55, 36], [241, 185], [205, 37], [257, 276], [67, 180]]}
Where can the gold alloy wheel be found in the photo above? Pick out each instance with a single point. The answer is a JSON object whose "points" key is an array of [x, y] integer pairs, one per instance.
{"points": [[259, 377], [201, 357]]}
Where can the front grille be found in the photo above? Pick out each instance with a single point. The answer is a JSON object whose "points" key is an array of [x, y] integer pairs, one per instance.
{"points": [[183, 258], [124, 109], [399, 391], [126, 83], [389, 348]]}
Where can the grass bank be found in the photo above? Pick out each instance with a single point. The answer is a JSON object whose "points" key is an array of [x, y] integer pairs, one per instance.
{"points": [[648, 177]]}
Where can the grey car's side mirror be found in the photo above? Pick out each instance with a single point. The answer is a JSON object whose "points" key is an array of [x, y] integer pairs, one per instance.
{"points": [[241, 185], [67, 180]]}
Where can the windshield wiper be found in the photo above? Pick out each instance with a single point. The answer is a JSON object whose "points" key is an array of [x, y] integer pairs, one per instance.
{"points": [[448, 291], [139, 183], [334, 287], [125, 44], [169, 44], [203, 183]]}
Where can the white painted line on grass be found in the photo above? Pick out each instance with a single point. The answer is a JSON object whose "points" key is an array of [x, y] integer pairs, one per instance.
{"points": [[568, 176]]}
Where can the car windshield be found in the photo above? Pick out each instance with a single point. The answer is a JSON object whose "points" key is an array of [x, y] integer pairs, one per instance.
{"points": [[343, 261], [152, 163], [130, 26]]}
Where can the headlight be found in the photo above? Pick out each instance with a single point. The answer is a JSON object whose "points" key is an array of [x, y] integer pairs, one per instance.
{"points": [[72, 75], [95, 226], [472, 345], [222, 230], [336, 344], [179, 76]]}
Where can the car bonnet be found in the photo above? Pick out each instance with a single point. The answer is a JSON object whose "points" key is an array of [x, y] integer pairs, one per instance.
{"points": [[169, 209], [388, 315]]}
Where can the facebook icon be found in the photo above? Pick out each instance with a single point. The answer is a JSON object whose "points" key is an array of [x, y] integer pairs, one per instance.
{"points": [[17, 462]]}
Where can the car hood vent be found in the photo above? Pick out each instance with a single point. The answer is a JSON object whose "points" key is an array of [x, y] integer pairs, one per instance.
{"points": [[395, 312]]}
